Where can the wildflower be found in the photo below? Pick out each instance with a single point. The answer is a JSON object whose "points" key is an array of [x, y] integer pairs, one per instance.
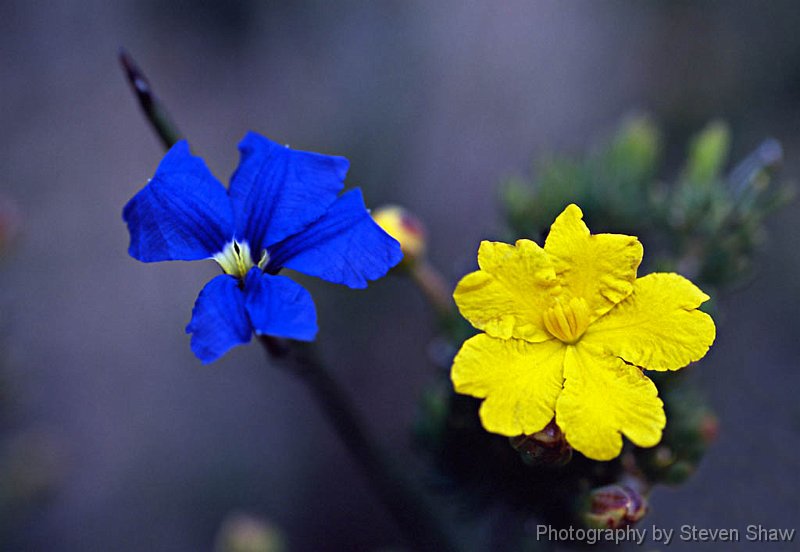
{"points": [[282, 209], [568, 330]]}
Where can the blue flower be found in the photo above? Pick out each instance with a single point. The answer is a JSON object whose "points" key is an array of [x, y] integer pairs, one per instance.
{"points": [[282, 209]]}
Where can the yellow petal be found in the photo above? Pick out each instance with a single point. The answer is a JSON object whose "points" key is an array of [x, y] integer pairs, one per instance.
{"points": [[658, 327], [602, 397], [600, 268], [507, 296], [519, 380]]}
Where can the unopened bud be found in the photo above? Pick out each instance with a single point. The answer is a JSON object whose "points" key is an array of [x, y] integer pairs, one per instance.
{"points": [[613, 507], [405, 228], [547, 447]]}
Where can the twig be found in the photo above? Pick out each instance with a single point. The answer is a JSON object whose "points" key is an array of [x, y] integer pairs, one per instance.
{"points": [[154, 111], [410, 508]]}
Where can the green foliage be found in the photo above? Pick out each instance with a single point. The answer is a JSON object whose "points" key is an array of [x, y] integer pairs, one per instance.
{"points": [[705, 224], [707, 155], [691, 428], [611, 184]]}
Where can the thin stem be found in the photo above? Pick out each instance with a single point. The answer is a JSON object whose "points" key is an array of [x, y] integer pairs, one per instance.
{"points": [[153, 109], [410, 508], [433, 286]]}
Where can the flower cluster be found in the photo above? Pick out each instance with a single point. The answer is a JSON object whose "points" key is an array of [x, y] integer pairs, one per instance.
{"points": [[282, 209], [569, 329]]}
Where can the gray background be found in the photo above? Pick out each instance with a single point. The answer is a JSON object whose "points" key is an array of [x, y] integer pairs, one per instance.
{"points": [[433, 103]]}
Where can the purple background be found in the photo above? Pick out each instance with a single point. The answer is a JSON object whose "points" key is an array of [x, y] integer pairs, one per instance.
{"points": [[433, 103]]}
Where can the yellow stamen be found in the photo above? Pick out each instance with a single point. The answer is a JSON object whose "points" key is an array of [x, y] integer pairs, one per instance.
{"points": [[236, 259], [567, 322]]}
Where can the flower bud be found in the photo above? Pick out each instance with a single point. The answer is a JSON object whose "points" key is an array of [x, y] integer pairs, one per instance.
{"points": [[547, 447], [613, 507], [405, 228]]}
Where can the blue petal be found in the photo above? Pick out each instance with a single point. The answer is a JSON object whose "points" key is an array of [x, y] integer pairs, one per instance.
{"points": [[345, 246], [277, 191], [183, 214], [219, 320], [280, 307]]}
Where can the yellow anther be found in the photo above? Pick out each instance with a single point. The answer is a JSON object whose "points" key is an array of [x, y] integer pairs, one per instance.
{"points": [[236, 259], [567, 322]]}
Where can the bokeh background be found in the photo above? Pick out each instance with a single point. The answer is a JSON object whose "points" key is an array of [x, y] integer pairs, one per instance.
{"points": [[130, 444]]}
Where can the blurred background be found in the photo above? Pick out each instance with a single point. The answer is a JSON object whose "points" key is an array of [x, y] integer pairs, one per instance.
{"points": [[116, 438]]}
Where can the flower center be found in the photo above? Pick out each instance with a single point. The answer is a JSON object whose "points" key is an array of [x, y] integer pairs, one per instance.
{"points": [[567, 322], [236, 259]]}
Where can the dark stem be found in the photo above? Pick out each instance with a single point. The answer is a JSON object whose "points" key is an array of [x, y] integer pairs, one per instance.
{"points": [[410, 508], [433, 286], [154, 111]]}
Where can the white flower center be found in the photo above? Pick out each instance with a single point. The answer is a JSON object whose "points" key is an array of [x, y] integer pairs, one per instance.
{"points": [[236, 259]]}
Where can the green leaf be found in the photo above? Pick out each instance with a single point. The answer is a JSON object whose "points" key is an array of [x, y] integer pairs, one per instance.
{"points": [[708, 154]]}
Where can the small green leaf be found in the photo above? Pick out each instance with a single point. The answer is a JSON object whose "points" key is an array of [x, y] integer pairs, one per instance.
{"points": [[708, 154]]}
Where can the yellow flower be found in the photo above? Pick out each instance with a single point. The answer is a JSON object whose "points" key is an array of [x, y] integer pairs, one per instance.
{"points": [[568, 330]]}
